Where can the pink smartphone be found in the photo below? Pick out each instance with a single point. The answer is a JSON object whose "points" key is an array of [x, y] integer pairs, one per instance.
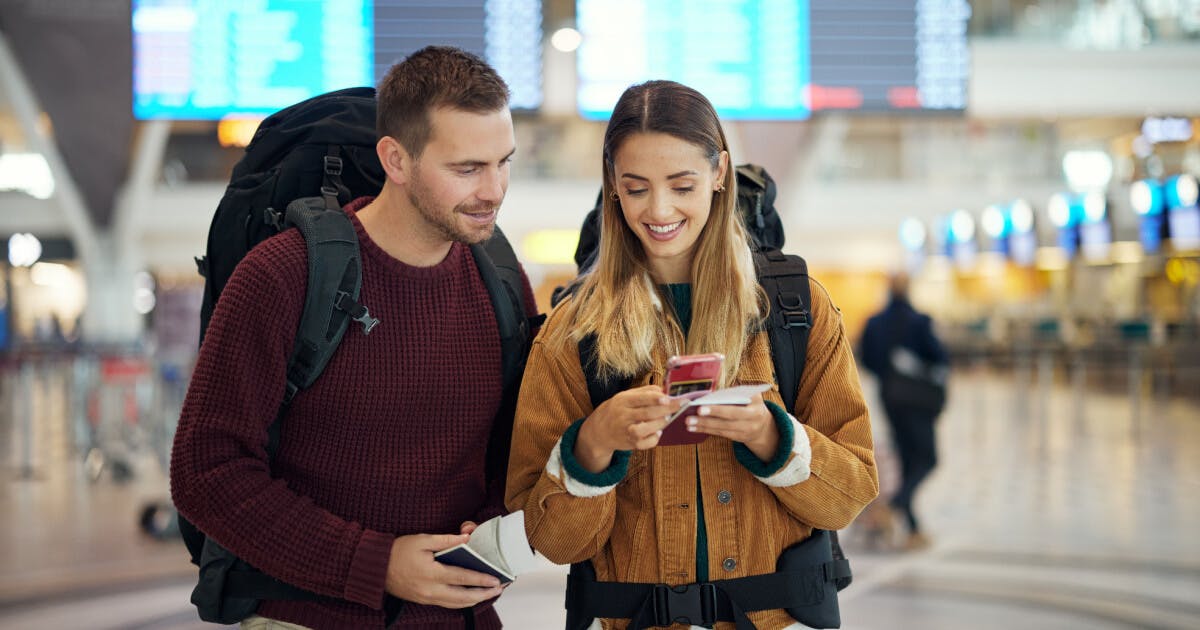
{"points": [[690, 376]]}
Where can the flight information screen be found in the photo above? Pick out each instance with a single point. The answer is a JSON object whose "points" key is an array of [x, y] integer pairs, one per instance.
{"points": [[749, 57], [778, 59], [884, 55], [209, 59]]}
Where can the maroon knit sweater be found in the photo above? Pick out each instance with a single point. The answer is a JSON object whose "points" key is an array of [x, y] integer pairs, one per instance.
{"points": [[390, 440]]}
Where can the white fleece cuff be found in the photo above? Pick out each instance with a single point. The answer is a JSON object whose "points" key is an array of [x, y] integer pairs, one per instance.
{"points": [[575, 488], [798, 467]]}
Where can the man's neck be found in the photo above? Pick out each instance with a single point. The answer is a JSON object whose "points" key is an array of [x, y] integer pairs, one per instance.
{"points": [[397, 228]]}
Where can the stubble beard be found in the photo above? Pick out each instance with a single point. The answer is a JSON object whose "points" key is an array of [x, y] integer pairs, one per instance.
{"points": [[444, 222]]}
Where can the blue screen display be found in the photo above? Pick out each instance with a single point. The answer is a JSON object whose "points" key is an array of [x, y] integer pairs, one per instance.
{"points": [[210, 59], [215, 58], [749, 57], [778, 59]]}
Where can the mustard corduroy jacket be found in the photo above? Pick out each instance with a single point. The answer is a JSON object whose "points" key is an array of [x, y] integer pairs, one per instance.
{"points": [[644, 530]]}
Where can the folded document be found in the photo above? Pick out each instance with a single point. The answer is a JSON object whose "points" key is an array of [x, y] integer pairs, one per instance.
{"points": [[497, 547], [740, 395]]}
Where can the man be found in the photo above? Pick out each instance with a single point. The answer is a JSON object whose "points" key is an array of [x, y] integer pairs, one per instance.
{"points": [[899, 325], [380, 463]]}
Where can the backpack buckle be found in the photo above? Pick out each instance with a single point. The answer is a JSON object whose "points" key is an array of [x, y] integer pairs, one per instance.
{"points": [[333, 165], [273, 218], [357, 312], [694, 604], [793, 311]]}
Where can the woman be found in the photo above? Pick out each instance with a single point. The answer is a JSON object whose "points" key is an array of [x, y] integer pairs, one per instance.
{"points": [[675, 276]]}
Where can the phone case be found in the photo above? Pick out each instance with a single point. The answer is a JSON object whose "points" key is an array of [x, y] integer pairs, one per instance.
{"points": [[689, 376]]}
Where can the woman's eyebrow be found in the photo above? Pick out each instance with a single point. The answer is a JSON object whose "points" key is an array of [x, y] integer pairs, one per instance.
{"points": [[646, 179]]}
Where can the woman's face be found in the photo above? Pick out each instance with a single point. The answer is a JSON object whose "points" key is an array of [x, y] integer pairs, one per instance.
{"points": [[666, 187]]}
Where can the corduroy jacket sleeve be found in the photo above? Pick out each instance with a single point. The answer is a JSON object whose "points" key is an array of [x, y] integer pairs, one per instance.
{"points": [[831, 407], [562, 526]]}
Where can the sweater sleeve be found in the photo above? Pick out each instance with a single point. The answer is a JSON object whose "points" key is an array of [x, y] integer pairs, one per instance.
{"points": [[833, 413], [220, 474], [563, 525]]}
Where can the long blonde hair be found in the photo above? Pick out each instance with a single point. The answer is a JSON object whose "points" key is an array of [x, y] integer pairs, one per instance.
{"points": [[615, 298]]}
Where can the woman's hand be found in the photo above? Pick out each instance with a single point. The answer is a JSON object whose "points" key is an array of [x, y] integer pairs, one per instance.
{"points": [[752, 425], [631, 420]]}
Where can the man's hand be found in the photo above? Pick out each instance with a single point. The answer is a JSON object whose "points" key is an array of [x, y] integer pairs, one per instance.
{"points": [[631, 420], [413, 575]]}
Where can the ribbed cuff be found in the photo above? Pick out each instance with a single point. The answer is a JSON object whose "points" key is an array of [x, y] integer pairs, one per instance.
{"points": [[368, 569], [610, 476], [787, 436]]}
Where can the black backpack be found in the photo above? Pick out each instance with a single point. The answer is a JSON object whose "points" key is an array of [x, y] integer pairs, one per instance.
{"points": [[303, 164], [784, 278]]}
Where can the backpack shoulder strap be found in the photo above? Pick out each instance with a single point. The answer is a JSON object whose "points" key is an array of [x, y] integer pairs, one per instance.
{"points": [[599, 390], [501, 274], [331, 299], [784, 278]]}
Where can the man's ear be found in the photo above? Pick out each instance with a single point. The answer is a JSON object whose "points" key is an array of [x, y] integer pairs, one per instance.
{"points": [[397, 164]]}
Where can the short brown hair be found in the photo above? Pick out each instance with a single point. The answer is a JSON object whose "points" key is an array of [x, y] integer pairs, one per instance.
{"points": [[435, 76]]}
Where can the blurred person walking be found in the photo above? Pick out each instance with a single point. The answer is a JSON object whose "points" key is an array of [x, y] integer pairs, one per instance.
{"points": [[899, 347]]}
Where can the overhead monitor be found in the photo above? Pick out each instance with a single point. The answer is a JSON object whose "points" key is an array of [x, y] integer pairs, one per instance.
{"points": [[211, 59], [887, 56], [778, 59], [749, 57]]}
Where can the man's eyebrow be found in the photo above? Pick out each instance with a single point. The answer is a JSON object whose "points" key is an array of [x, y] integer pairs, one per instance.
{"points": [[482, 162], [671, 176]]}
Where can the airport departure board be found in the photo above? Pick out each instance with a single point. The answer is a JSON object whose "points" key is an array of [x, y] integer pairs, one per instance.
{"points": [[209, 59], [884, 55], [749, 57], [779, 59]]}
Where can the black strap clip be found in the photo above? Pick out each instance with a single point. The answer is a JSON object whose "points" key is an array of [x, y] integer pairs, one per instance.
{"points": [[793, 311], [333, 165], [289, 391], [694, 604], [274, 218], [357, 311]]}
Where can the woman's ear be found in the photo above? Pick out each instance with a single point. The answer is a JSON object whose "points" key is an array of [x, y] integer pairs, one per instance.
{"points": [[722, 167], [395, 160]]}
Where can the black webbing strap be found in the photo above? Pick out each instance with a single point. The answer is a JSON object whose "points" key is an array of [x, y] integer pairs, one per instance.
{"points": [[264, 586], [332, 188], [500, 271], [333, 269], [599, 390], [784, 278], [647, 605]]}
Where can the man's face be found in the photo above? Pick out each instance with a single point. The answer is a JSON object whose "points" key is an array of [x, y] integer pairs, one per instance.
{"points": [[460, 179]]}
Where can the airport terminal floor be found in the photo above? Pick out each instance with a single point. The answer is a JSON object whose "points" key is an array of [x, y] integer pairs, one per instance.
{"points": [[1052, 507]]}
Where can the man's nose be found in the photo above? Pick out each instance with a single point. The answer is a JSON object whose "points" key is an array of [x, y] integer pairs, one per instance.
{"points": [[494, 186]]}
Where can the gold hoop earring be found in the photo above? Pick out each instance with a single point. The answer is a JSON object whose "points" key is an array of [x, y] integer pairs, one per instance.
{"points": [[614, 196], [721, 189]]}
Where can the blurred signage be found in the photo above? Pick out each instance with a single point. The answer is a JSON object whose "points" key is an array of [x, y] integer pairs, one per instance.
{"points": [[1167, 129], [1183, 227]]}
